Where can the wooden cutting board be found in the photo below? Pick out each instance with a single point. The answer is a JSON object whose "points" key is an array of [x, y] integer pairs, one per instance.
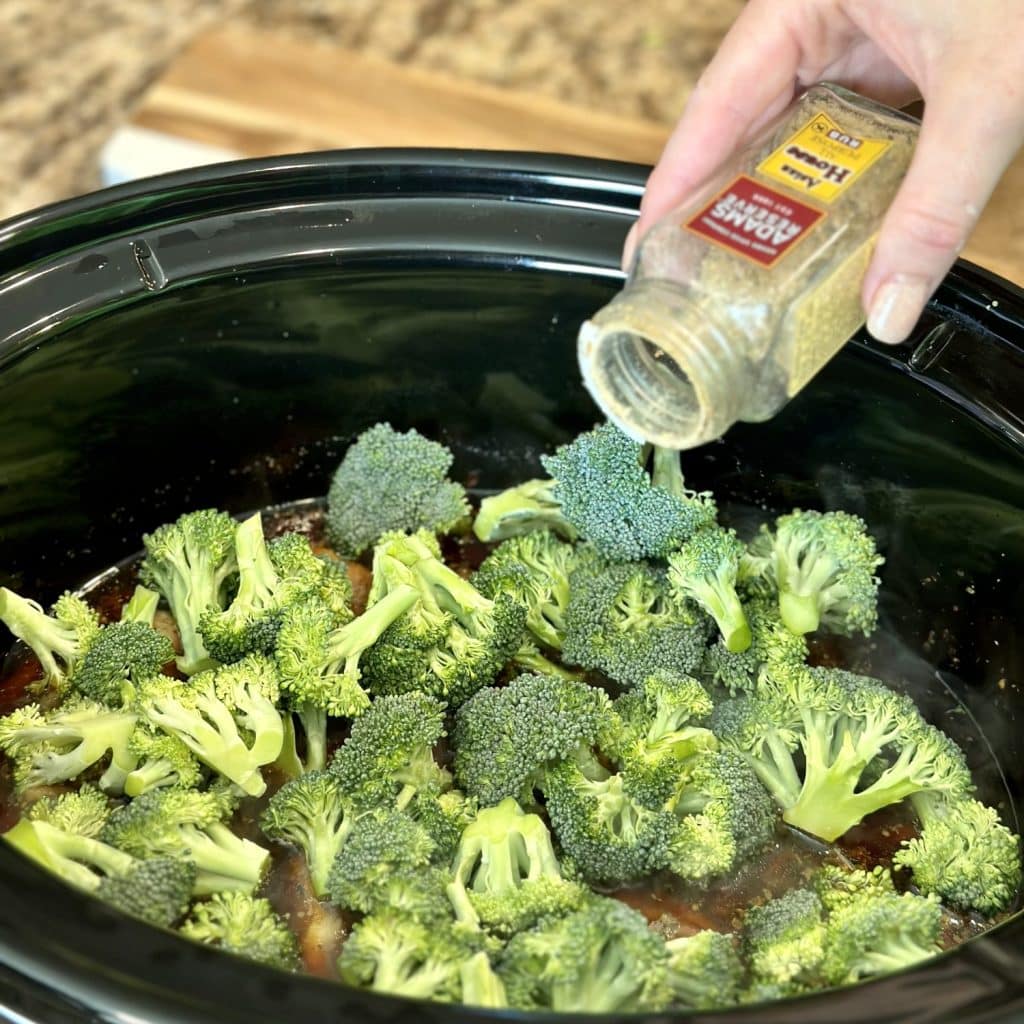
{"points": [[238, 92]]}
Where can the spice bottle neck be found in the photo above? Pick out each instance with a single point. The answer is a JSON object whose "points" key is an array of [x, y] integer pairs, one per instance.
{"points": [[661, 367]]}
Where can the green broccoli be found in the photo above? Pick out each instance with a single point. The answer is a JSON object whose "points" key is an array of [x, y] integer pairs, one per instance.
{"points": [[601, 959], [607, 494], [533, 569], [480, 985], [964, 853], [156, 891], [623, 620], [58, 745], [704, 970], [704, 570], [246, 926], [843, 725], [190, 562], [119, 656], [227, 717], [185, 824], [163, 760], [445, 816], [141, 606], [391, 481], [506, 875], [520, 510], [823, 566], [313, 813], [529, 659], [504, 737], [784, 941], [389, 754], [59, 640], [82, 812]]}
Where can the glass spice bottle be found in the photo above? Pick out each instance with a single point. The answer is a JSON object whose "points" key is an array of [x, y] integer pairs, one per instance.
{"points": [[742, 293]]}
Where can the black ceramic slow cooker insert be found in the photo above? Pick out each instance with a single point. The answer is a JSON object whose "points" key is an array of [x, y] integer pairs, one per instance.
{"points": [[218, 337]]}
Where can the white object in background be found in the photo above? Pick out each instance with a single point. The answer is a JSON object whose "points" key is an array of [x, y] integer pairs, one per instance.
{"points": [[133, 152]]}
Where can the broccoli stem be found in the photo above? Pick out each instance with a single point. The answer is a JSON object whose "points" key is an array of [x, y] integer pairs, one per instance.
{"points": [[799, 612], [348, 642], [223, 860], [314, 726], [257, 577], [149, 775], [45, 635]]}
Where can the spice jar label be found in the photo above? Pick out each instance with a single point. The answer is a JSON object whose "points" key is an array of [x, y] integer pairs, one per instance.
{"points": [[821, 159], [754, 220]]}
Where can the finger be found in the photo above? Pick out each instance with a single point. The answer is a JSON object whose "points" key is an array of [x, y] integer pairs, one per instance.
{"points": [[966, 142]]}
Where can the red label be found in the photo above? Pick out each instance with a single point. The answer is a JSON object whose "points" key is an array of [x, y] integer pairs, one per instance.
{"points": [[755, 221]]}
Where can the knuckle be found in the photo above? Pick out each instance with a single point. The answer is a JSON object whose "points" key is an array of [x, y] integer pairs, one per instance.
{"points": [[936, 229]]}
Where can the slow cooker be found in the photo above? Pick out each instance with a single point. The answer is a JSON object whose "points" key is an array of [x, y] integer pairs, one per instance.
{"points": [[217, 337]]}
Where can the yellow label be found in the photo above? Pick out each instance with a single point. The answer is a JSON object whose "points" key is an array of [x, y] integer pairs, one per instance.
{"points": [[822, 160]]}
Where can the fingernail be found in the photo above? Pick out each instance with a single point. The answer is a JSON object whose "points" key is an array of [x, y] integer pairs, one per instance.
{"points": [[629, 246], [896, 308]]}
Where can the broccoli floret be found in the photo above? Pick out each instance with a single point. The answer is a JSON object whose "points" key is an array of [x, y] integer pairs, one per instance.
{"points": [[55, 746], [704, 570], [246, 926], [843, 724], [59, 640], [391, 952], [82, 812], [606, 493], [301, 572], [823, 566], [623, 620], [163, 760], [609, 836], [312, 813], [389, 754], [658, 727], [726, 816], [964, 854], [705, 971], [520, 510], [506, 875], [505, 736], [391, 481], [480, 985], [534, 570], [784, 941], [190, 561], [321, 662], [119, 656], [455, 642], [772, 646], [600, 959], [156, 891], [141, 606], [188, 825], [227, 717], [445, 816]]}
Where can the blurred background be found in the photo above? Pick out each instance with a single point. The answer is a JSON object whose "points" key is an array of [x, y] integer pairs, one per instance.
{"points": [[95, 92]]}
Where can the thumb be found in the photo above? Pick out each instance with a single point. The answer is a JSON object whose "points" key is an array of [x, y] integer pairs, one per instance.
{"points": [[967, 140]]}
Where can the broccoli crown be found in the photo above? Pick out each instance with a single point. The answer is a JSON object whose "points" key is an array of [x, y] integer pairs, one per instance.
{"points": [[388, 755], [785, 939], [823, 565], [301, 572], [704, 570], [244, 925], [313, 813], [444, 816], [726, 816], [772, 647], [506, 874], [163, 760], [190, 561], [188, 825], [705, 971], [608, 496], [141, 606], [320, 661], [391, 481], [58, 745], [227, 717], [59, 640], [157, 891], [842, 724], [622, 619], [602, 958], [505, 736], [81, 812], [609, 836], [964, 854], [120, 655], [520, 510], [533, 569]]}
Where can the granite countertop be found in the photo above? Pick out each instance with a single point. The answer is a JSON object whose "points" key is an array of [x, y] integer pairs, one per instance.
{"points": [[70, 72]]}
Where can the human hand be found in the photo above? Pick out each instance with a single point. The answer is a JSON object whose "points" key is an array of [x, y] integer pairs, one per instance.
{"points": [[965, 60]]}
